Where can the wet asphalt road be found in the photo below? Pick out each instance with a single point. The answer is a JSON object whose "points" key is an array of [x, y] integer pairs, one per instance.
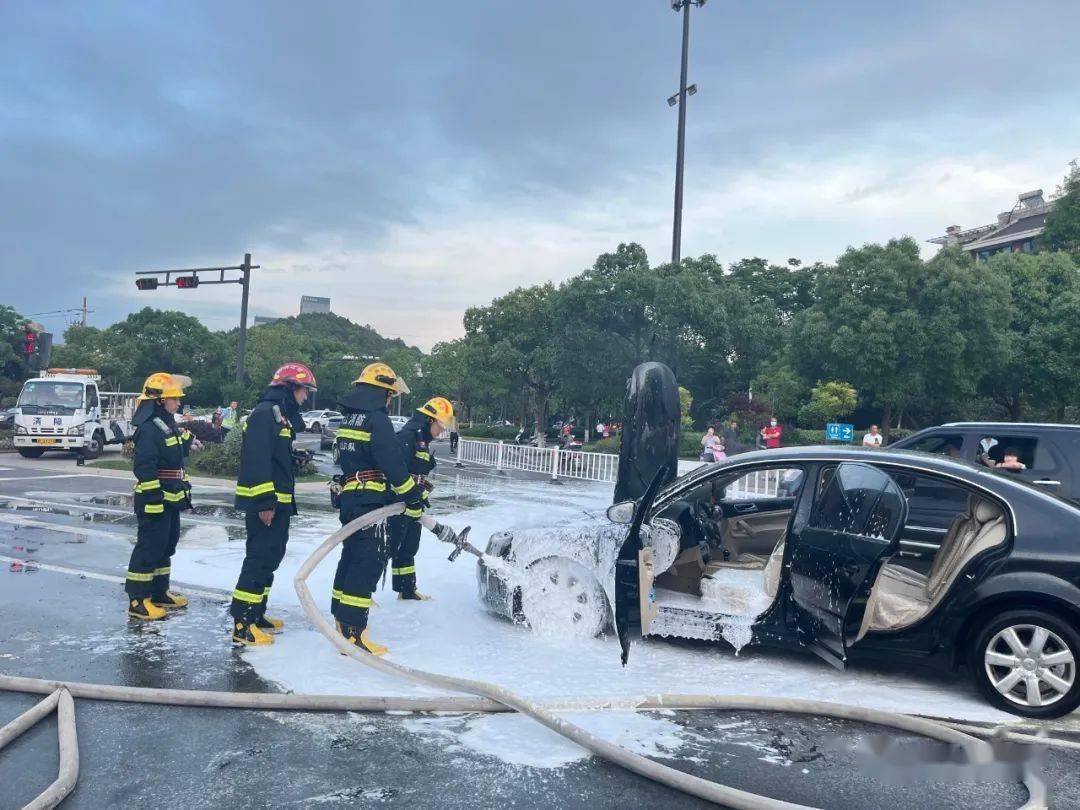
{"points": [[64, 626]]}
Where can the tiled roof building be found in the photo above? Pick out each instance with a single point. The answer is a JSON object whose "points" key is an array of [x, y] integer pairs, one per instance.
{"points": [[1014, 231]]}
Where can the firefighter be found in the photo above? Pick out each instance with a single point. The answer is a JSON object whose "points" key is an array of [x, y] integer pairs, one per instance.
{"points": [[162, 491], [373, 473], [265, 490], [430, 420]]}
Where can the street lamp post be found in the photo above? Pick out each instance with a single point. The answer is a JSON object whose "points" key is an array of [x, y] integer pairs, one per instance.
{"points": [[680, 152]]}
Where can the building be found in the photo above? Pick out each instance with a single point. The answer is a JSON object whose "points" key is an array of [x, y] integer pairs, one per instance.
{"points": [[313, 303], [262, 320], [1015, 231]]}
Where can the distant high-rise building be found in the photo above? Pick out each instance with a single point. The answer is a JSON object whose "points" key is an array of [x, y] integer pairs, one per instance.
{"points": [[313, 303]]}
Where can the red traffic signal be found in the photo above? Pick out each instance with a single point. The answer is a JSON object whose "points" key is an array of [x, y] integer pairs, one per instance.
{"points": [[31, 342], [146, 283], [187, 282]]}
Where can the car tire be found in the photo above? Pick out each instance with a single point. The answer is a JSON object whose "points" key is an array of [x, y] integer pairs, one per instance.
{"points": [[316, 427], [336, 454], [1029, 689], [94, 446], [31, 452], [561, 596]]}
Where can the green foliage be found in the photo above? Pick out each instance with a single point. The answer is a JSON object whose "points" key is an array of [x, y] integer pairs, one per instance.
{"points": [[504, 433], [686, 400], [1062, 230], [828, 402]]}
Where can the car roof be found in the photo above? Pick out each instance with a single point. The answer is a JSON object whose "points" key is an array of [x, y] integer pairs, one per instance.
{"points": [[1019, 425]]}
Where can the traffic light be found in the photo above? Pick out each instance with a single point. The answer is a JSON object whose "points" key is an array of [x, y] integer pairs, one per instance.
{"points": [[146, 283], [30, 343], [187, 282]]}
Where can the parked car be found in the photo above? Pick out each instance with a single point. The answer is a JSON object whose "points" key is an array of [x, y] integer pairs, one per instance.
{"points": [[1049, 453], [329, 433], [806, 548], [7, 419], [314, 420]]}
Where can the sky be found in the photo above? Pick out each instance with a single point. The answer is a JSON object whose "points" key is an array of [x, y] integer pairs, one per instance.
{"points": [[412, 159]]}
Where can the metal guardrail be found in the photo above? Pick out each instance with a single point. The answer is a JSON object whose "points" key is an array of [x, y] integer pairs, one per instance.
{"points": [[603, 467], [552, 461]]}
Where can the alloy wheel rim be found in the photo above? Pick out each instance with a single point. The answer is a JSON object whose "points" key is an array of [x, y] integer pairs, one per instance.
{"points": [[1030, 665]]}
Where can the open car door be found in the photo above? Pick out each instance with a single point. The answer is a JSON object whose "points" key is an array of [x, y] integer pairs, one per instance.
{"points": [[855, 522], [633, 570]]}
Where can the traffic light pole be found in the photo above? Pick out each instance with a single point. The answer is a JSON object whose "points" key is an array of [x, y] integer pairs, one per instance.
{"points": [[241, 345], [189, 279]]}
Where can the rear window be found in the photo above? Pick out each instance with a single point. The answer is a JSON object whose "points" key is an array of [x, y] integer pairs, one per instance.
{"points": [[942, 444]]}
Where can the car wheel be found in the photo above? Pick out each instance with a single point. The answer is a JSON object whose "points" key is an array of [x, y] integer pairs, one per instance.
{"points": [[94, 446], [1025, 662], [561, 596], [316, 427], [337, 455], [31, 452]]}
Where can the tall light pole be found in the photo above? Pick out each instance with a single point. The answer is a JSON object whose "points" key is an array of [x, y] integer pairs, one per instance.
{"points": [[680, 152]]}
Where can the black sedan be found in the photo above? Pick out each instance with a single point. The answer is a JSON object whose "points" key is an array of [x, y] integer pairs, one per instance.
{"points": [[813, 548]]}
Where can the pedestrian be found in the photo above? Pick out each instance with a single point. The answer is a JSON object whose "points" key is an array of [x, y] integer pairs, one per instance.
{"points": [[712, 447], [266, 492], [730, 438], [872, 439], [162, 491], [607, 430], [371, 461], [229, 416], [416, 435], [771, 433], [453, 429], [599, 430]]}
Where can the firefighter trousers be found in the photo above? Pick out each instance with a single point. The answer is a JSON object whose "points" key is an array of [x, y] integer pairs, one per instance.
{"points": [[155, 543], [363, 557], [404, 542], [264, 553]]}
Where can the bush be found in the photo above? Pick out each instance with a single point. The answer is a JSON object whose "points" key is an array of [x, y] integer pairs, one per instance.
{"points": [[218, 459], [504, 433]]}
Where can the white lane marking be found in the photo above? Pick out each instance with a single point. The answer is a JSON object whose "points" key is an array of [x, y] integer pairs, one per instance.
{"points": [[62, 569], [18, 520], [6, 469], [111, 510], [43, 477]]}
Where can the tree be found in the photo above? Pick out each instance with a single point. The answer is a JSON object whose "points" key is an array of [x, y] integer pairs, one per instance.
{"points": [[1062, 231], [828, 402]]}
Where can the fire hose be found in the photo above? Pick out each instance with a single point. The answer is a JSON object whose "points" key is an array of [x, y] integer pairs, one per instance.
{"points": [[485, 697]]}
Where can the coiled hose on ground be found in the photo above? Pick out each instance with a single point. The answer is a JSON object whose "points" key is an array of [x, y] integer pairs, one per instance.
{"points": [[486, 697]]}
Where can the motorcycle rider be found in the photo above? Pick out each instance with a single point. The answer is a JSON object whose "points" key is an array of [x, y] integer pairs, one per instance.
{"points": [[428, 423], [265, 490]]}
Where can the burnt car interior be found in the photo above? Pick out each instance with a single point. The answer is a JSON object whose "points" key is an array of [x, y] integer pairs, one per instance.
{"points": [[733, 535]]}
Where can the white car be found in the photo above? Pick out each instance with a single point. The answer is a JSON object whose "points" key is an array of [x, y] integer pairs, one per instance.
{"points": [[314, 420]]}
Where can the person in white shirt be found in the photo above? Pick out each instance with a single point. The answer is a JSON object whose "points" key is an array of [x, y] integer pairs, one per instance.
{"points": [[599, 430], [873, 438]]}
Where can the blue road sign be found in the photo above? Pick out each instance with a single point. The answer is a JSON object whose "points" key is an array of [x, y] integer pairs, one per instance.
{"points": [[839, 432]]}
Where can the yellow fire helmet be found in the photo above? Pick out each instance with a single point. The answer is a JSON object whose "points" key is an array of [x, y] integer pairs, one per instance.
{"points": [[163, 385], [440, 410], [382, 376]]}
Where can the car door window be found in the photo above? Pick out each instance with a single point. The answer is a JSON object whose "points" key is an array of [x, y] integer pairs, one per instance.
{"points": [[91, 398], [942, 444], [849, 499], [993, 448]]}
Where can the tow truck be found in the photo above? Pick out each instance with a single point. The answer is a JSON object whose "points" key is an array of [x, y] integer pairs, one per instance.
{"points": [[63, 409]]}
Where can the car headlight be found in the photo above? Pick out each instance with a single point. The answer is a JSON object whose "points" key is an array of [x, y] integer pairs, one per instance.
{"points": [[75, 431], [20, 430]]}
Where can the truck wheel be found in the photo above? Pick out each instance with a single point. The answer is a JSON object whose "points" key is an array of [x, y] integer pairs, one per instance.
{"points": [[94, 446], [561, 596], [31, 452], [1025, 662]]}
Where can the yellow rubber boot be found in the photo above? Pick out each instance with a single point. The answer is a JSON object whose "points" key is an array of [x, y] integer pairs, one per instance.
{"points": [[144, 609], [268, 624], [361, 639], [248, 634], [170, 601], [415, 596]]}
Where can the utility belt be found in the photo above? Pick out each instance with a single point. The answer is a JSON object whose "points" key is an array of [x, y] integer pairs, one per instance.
{"points": [[171, 475], [363, 480]]}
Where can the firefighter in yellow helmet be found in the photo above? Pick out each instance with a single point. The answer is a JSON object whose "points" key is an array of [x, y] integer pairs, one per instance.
{"points": [[161, 492], [374, 472], [429, 422]]}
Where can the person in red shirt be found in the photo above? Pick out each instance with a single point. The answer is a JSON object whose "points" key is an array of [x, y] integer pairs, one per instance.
{"points": [[771, 434]]}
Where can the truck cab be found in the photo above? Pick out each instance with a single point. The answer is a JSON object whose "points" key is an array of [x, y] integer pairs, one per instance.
{"points": [[64, 409]]}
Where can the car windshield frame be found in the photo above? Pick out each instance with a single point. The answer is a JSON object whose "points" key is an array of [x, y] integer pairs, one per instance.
{"points": [[56, 408]]}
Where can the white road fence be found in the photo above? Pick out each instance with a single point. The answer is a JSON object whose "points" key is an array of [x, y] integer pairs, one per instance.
{"points": [[558, 463]]}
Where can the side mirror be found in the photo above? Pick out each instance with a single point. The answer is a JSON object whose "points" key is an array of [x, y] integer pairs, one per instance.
{"points": [[622, 513]]}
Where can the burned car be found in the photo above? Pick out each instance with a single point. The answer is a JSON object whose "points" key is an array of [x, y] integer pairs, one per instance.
{"points": [[813, 548]]}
